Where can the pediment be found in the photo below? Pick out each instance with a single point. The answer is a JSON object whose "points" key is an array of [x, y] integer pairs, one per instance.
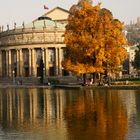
{"points": [[58, 14]]}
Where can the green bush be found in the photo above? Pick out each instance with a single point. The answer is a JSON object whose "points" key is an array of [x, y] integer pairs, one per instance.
{"points": [[129, 79]]}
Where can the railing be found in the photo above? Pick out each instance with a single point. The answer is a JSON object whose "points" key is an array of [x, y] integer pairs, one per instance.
{"points": [[30, 30], [31, 36]]}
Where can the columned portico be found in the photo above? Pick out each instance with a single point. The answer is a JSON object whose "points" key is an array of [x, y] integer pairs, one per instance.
{"points": [[21, 50], [19, 67]]}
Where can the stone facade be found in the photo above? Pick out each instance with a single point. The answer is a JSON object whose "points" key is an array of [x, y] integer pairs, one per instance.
{"points": [[22, 48]]}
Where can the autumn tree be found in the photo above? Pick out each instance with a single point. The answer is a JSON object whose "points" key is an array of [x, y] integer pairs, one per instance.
{"points": [[112, 41], [94, 40]]}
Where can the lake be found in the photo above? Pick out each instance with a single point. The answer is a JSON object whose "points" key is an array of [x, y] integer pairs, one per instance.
{"points": [[69, 114]]}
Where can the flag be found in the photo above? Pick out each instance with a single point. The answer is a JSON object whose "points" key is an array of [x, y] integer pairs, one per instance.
{"points": [[45, 7]]}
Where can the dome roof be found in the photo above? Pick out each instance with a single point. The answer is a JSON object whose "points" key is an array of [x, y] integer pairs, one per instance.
{"points": [[43, 22]]}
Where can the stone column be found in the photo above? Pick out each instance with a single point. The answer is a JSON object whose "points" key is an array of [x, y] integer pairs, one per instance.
{"points": [[56, 61], [46, 65], [43, 58], [0, 63], [33, 62], [60, 61], [10, 63], [21, 62], [18, 61], [4, 63], [30, 63], [7, 63]]}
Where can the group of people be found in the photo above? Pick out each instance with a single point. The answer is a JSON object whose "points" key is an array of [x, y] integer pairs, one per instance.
{"points": [[100, 82]]}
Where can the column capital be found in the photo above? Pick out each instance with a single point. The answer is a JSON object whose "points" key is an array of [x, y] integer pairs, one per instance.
{"points": [[6, 50], [17, 49], [43, 49], [29, 49], [9, 51]]}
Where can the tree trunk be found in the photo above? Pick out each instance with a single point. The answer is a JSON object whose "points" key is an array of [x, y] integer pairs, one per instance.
{"points": [[84, 79], [94, 77]]}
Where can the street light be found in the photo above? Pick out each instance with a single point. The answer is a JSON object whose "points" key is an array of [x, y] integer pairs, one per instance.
{"points": [[13, 77]]}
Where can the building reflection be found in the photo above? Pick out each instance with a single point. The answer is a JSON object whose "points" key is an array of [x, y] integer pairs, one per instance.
{"points": [[31, 107], [79, 114]]}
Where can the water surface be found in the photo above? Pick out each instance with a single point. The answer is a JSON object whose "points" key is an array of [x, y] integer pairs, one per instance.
{"points": [[64, 114]]}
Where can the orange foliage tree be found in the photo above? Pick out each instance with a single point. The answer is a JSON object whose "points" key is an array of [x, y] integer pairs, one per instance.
{"points": [[94, 40]]}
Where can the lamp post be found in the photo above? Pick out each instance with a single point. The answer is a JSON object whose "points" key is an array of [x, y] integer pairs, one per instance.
{"points": [[13, 77]]}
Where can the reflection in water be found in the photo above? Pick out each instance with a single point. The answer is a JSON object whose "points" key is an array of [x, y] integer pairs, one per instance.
{"points": [[66, 114], [100, 116], [36, 112]]}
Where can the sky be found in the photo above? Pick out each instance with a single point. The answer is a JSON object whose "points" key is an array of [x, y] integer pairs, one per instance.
{"points": [[27, 10]]}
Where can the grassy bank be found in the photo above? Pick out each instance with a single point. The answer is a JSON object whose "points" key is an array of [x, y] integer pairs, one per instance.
{"points": [[128, 80]]}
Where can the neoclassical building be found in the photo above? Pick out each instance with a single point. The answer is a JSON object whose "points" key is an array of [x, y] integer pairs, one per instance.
{"points": [[21, 48]]}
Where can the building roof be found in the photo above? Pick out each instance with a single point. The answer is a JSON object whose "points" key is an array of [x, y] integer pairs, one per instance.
{"points": [[40, 23], [57, 8], [57, 14], [48, 20]]}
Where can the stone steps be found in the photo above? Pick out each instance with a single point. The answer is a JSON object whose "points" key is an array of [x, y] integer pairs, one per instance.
{"points": [[6, 81], [36, 81], [19, 80]]}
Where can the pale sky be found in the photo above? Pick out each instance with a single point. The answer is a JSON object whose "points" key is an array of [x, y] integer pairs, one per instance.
{"points": [[27, 10]]}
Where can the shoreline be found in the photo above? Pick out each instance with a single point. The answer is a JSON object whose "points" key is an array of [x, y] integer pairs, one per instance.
{"points": [[75, 86]]}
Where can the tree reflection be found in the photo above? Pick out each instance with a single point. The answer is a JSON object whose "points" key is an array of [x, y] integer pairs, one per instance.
{"points": [[98, 115], [74, 114]]}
